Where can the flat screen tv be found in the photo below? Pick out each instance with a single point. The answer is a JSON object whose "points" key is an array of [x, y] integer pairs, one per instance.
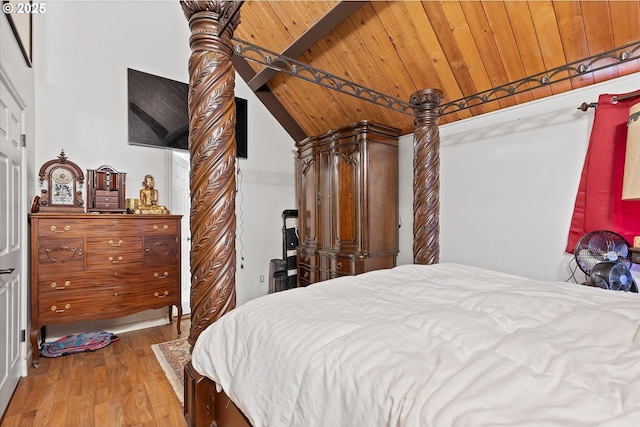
{"points": [[158, 113]]}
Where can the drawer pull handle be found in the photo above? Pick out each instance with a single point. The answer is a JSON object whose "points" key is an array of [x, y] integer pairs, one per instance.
{"points": [[115, 261], [119, 243], [55, 308], [339, 265], [158, 276], [306, 260], [157, 295], [157, 227], [54, 285], [55, 229], [306, 274]]}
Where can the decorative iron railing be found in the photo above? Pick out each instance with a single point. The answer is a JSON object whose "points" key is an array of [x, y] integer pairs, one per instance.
{"points": [[293, 67]]}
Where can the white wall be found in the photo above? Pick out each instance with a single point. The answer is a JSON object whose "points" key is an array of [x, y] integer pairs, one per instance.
{"points": [[82, 52], [266, 187], [508, 184]]}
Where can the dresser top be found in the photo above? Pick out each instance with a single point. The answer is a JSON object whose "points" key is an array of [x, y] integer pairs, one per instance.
{"points": [[114, 216]]}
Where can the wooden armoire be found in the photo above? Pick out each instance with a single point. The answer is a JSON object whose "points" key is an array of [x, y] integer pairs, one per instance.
{"points": [[347, 190]]}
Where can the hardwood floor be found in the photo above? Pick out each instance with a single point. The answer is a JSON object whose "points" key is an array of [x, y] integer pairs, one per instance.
{"points": [[119, 385]]}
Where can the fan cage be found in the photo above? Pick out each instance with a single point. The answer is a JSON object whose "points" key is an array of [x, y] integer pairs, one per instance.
{"points": [[598, 246]]}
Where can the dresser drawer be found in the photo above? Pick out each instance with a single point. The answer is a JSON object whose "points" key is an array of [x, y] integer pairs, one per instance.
{"points": [[106, 203], [160, 250], [307, 275], [151, 296], [114, 226], [67, 281], [115, 243], [160, 226], [64, 281], [113, 250], [61, 254], [111, 258], [102, 194], [147, 276], [57, 307], [133, 225], [342, 266], [308, 258], [62, 228]]}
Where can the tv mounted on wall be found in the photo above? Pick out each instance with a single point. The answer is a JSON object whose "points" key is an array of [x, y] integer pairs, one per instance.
{"points": [[158, 113]]}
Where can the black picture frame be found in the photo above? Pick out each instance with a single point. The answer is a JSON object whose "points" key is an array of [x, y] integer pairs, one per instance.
{"points": [[21, 24]]}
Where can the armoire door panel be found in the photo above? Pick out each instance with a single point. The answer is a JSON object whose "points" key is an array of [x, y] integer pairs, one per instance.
{"points": [[382, 189], [308, 209], [326, 221], [345, 200]]}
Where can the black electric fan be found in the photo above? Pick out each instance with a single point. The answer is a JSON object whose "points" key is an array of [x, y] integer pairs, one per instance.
{"points": [[615, 276], [604, 257]]}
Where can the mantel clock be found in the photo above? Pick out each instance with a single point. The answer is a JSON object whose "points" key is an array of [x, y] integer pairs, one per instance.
{"points": [[61, 193]]}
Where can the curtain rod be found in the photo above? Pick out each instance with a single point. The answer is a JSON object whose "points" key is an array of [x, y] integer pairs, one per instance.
{"points": [[584, 106]]}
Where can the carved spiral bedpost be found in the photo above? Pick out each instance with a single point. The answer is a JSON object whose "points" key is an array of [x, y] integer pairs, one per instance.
{"points": [[212, 118], [426, 177]]}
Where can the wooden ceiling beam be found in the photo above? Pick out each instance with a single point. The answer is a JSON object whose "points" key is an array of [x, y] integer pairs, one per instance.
{"points": [[334, 17], [270, 101]]}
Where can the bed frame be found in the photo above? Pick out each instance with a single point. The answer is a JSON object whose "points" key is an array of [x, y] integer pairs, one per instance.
{"points": [[212, 150], [212, 186]]}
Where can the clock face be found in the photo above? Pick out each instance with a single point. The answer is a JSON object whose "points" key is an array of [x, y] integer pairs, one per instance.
{"points": [[62, 175]]}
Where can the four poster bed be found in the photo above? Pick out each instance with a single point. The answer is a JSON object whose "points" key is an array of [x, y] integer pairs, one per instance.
{"points": [[423, 344]]}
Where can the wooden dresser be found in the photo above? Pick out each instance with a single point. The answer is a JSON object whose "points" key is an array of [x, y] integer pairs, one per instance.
{"points": [[92, 266], [347, 186]]}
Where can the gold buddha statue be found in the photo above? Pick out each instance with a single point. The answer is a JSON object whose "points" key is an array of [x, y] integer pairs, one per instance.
{"points": [[149, 199]]}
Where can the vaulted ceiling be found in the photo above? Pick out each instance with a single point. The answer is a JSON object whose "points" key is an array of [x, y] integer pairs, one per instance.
{"points": [[398, 47]]}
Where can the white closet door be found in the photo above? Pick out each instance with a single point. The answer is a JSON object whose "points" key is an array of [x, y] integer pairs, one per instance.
{"points": [[11, 215]]}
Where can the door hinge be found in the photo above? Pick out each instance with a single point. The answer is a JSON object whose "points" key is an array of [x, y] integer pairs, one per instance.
{"points": [[23, 140], [23, 335]]}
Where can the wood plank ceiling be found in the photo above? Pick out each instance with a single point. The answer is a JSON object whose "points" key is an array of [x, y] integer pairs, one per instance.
{"points": [[399, 47]]}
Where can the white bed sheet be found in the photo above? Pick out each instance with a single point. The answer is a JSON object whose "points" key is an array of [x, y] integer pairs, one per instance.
{"points": [[440, 345]]}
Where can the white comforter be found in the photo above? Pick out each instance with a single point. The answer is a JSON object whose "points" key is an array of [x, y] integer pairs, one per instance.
{"points": [[439, 346]]}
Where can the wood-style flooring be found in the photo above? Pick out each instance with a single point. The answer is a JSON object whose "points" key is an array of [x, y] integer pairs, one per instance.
{"points": [[119, 385]]}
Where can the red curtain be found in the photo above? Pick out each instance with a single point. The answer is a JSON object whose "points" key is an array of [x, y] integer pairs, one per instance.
{"points": [[598, 203]]}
